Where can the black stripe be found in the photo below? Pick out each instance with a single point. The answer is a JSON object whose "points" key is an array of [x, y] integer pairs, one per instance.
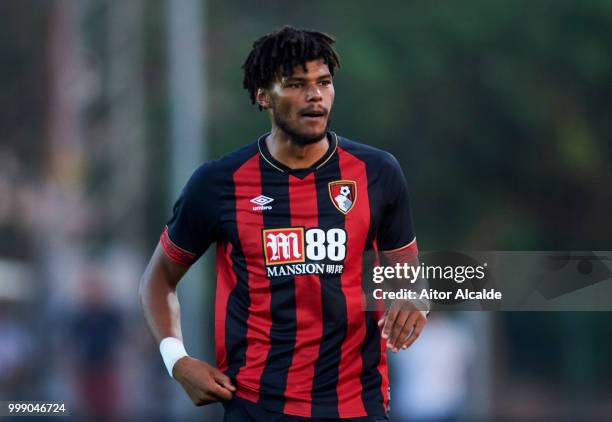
{"points": [[237, 311], [282, 298], [371, 379], [324, 395]]}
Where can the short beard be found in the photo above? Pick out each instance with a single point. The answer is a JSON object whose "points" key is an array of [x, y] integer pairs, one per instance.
{"points": [[298, 138]]}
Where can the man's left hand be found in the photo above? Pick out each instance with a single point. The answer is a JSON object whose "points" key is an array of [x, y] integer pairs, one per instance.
{"points": [[402, 325]]}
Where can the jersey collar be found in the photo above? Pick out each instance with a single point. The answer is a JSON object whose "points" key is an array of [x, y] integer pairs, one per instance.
{"points": [[332, 139]]}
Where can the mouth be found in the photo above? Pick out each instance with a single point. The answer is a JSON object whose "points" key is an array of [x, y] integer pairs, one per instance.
{"points": [[313, 115]]}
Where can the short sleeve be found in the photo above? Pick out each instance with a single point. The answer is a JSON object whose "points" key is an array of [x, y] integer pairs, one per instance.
{"points": [[193, 225], [396, 229]]}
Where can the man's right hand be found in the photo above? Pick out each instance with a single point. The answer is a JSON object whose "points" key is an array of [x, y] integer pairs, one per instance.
{"points": [[203, 383]]}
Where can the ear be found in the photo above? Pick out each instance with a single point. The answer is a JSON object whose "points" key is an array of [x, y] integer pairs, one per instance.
{"points": [[263, 98]]}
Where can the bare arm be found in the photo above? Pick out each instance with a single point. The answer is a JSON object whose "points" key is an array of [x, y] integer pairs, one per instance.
{"points": [[203, 383], [158, 296]]}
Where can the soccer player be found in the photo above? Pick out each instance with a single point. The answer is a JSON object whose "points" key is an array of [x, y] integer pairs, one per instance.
{"points": [[292, 214]]}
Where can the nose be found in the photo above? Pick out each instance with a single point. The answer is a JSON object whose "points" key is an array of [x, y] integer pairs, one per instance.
{"points": [[313, 93]]}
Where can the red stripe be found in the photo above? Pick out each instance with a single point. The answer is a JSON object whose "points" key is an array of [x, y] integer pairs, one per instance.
{"points": [[226, 281], [382, 370], [174, 252], [382, 363], [303, 206], [357, 223], [247, 182]]}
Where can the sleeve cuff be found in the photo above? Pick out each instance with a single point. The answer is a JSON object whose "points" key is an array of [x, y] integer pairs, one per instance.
{"points": [[175, 253]]}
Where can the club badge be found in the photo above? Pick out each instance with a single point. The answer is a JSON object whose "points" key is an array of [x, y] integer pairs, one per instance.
{"points": [[343, 194]]}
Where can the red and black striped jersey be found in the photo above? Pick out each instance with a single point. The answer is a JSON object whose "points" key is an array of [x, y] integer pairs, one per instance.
{"points": [[291, 326]]}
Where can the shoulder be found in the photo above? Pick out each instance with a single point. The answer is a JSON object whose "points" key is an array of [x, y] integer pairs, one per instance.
{"points": [[375, 158]]}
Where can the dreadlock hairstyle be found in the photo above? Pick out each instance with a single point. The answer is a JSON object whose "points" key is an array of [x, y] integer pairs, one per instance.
{"points": [[276, 54]]}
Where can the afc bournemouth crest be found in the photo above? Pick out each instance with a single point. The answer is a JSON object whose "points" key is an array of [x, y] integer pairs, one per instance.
{"points": [[343, 194]]}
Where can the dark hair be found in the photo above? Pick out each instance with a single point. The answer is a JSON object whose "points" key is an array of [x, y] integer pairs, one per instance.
{"points": [[278, 53]]}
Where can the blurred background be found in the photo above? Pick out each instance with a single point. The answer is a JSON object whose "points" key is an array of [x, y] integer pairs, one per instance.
{"points": [[499, 112]]}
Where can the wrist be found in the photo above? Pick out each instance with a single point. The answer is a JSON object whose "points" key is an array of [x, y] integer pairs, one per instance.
{"points": [[171, 349]]}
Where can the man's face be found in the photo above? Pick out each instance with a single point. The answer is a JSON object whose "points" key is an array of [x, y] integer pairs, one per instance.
{"points": [[300, 104]]}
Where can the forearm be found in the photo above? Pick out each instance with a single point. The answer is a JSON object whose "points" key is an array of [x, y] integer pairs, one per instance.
{"points": [[161, 309], [158, 297]]}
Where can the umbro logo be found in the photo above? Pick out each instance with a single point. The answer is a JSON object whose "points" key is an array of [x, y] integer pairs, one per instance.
{"points": [[261, 201]]}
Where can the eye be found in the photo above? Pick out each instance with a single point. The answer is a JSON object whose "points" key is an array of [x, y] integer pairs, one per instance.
{"points": [[294, 85], [325, 82]]}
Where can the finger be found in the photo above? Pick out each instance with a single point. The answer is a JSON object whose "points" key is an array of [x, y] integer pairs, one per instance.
{"points": [[389, 321], [406, 330], [415, 333], [203, 399], [224, 380], [398, 327], [220, 392], [211, 387], [383, 319]]}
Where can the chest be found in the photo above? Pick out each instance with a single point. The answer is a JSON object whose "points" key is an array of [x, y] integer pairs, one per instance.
{"points": [[310, 217]]}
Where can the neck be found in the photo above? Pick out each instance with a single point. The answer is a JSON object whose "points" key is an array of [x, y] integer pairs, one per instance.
{"points": [[295, 156]]}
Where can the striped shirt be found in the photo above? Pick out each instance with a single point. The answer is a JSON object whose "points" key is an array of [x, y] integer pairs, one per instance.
{"points": [[291, 329]]}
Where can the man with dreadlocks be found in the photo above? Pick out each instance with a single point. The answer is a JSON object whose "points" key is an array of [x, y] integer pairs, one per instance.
{"points": [[292, 214]]}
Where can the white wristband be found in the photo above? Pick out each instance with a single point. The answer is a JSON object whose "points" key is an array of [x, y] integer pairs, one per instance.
{"points": [[171, 349]]}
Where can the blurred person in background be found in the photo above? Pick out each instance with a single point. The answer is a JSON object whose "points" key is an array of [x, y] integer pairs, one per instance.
{"points": [[16, 354], [96, 333], [293, 341], [431, 381], [17, 345], [14, 228]]}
